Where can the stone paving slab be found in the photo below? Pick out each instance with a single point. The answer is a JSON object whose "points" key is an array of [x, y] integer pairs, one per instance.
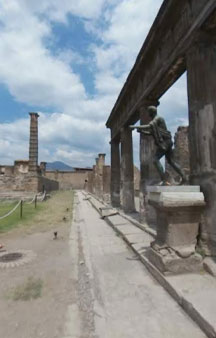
{"points": [[127, 229], [118, 220], [139, 238], [196, 293], [199, 290]]}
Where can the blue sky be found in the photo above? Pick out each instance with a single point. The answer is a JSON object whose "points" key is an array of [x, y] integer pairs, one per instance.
{"points": [[68, 60]]}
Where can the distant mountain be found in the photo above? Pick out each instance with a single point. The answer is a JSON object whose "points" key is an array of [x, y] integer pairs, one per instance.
{"points": [[58, 165]]}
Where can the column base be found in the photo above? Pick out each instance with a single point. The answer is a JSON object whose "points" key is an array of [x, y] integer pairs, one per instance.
{"points": [[169, 262]]}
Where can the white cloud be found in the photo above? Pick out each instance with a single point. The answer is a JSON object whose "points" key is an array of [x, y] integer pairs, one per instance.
{"points": [[36, 76]]}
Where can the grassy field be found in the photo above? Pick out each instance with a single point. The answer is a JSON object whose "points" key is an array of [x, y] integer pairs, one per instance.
{"points": [[48, 213]]}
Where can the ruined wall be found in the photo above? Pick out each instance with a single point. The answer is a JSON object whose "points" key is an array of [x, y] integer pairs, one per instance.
{"points": [[89, 185], [6, 170], [67, 179], [181, 154], [47, 184], [26, 183]]}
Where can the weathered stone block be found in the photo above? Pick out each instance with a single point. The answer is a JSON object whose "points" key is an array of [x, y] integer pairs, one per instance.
{"points": [[167, 261], [179, 210]]}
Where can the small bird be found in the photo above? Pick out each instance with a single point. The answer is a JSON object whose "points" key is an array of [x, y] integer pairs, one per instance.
{"points": [[55, 234], [64, 219]]}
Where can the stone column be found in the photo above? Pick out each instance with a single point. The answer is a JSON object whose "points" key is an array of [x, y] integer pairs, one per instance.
{"points": [[127, 170], [33, 144], [148, 172], [101, 163], [115, 174], [94, 180], [96, 183], [201, 75]]}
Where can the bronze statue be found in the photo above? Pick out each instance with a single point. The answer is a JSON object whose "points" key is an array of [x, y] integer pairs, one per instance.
{"points": [[163, 140]]}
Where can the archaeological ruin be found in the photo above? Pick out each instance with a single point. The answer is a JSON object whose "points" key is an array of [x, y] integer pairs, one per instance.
{"points": [[26, 177], [181, 39]]}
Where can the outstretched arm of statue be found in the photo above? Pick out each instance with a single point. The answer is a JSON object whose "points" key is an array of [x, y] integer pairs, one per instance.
{"points": [[144, 127], [144, 132]]}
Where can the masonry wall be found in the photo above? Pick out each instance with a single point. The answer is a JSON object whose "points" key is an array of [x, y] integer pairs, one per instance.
{"points": [[47, 184], [68, 180], [181, 154], [26, 183]]}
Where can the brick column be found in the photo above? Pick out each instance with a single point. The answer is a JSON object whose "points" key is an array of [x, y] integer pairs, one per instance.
{"points": [[33, 144], [148, 172], [115, 174], [127, 170], [201, 75]]}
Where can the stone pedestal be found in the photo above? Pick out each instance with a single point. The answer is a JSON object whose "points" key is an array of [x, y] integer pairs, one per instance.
{"points": [[179, 210]]}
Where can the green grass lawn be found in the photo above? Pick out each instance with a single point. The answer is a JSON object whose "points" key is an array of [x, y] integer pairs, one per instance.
{"points": [[53, 212], [14, 219]]}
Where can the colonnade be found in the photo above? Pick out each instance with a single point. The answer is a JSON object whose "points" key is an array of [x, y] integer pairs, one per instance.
{"points": [[201, 81]]}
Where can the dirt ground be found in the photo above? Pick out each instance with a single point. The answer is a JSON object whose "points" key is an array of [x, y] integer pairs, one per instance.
{"points": [[34, 296]]}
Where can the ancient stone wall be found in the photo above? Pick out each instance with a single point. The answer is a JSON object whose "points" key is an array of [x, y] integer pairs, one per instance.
{"points": [[89, 183], [6, 170], [26, 183], [47, 184], [181, 154], [68, 179]]}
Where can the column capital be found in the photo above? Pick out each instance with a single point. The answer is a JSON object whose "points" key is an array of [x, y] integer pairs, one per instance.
{"points": [[203, 39], [34, 114]]}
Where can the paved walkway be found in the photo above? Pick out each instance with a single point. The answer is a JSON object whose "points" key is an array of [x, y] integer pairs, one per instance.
{"points": [[116, 297]]}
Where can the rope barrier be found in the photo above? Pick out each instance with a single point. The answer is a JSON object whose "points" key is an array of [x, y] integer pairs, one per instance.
{"points": [[43, 197], [10, 212], [31, 200]]}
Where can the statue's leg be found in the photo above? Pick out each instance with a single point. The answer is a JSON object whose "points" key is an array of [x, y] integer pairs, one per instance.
{"points": [[175, 166], [158, 165]]}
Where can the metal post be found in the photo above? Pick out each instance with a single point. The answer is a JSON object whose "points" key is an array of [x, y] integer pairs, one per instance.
{"points": [[21, 209], [35, 201]]}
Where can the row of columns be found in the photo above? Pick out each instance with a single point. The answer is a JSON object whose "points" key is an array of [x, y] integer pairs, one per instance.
{"points": [[122, 167], [201, 79]]}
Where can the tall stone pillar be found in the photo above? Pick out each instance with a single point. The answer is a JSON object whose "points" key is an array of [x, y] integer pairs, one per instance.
{"points": [[127, 170], [115, 174], [201, 75], [96, 181], [101, 163], [148, 172], [33, 144]]}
